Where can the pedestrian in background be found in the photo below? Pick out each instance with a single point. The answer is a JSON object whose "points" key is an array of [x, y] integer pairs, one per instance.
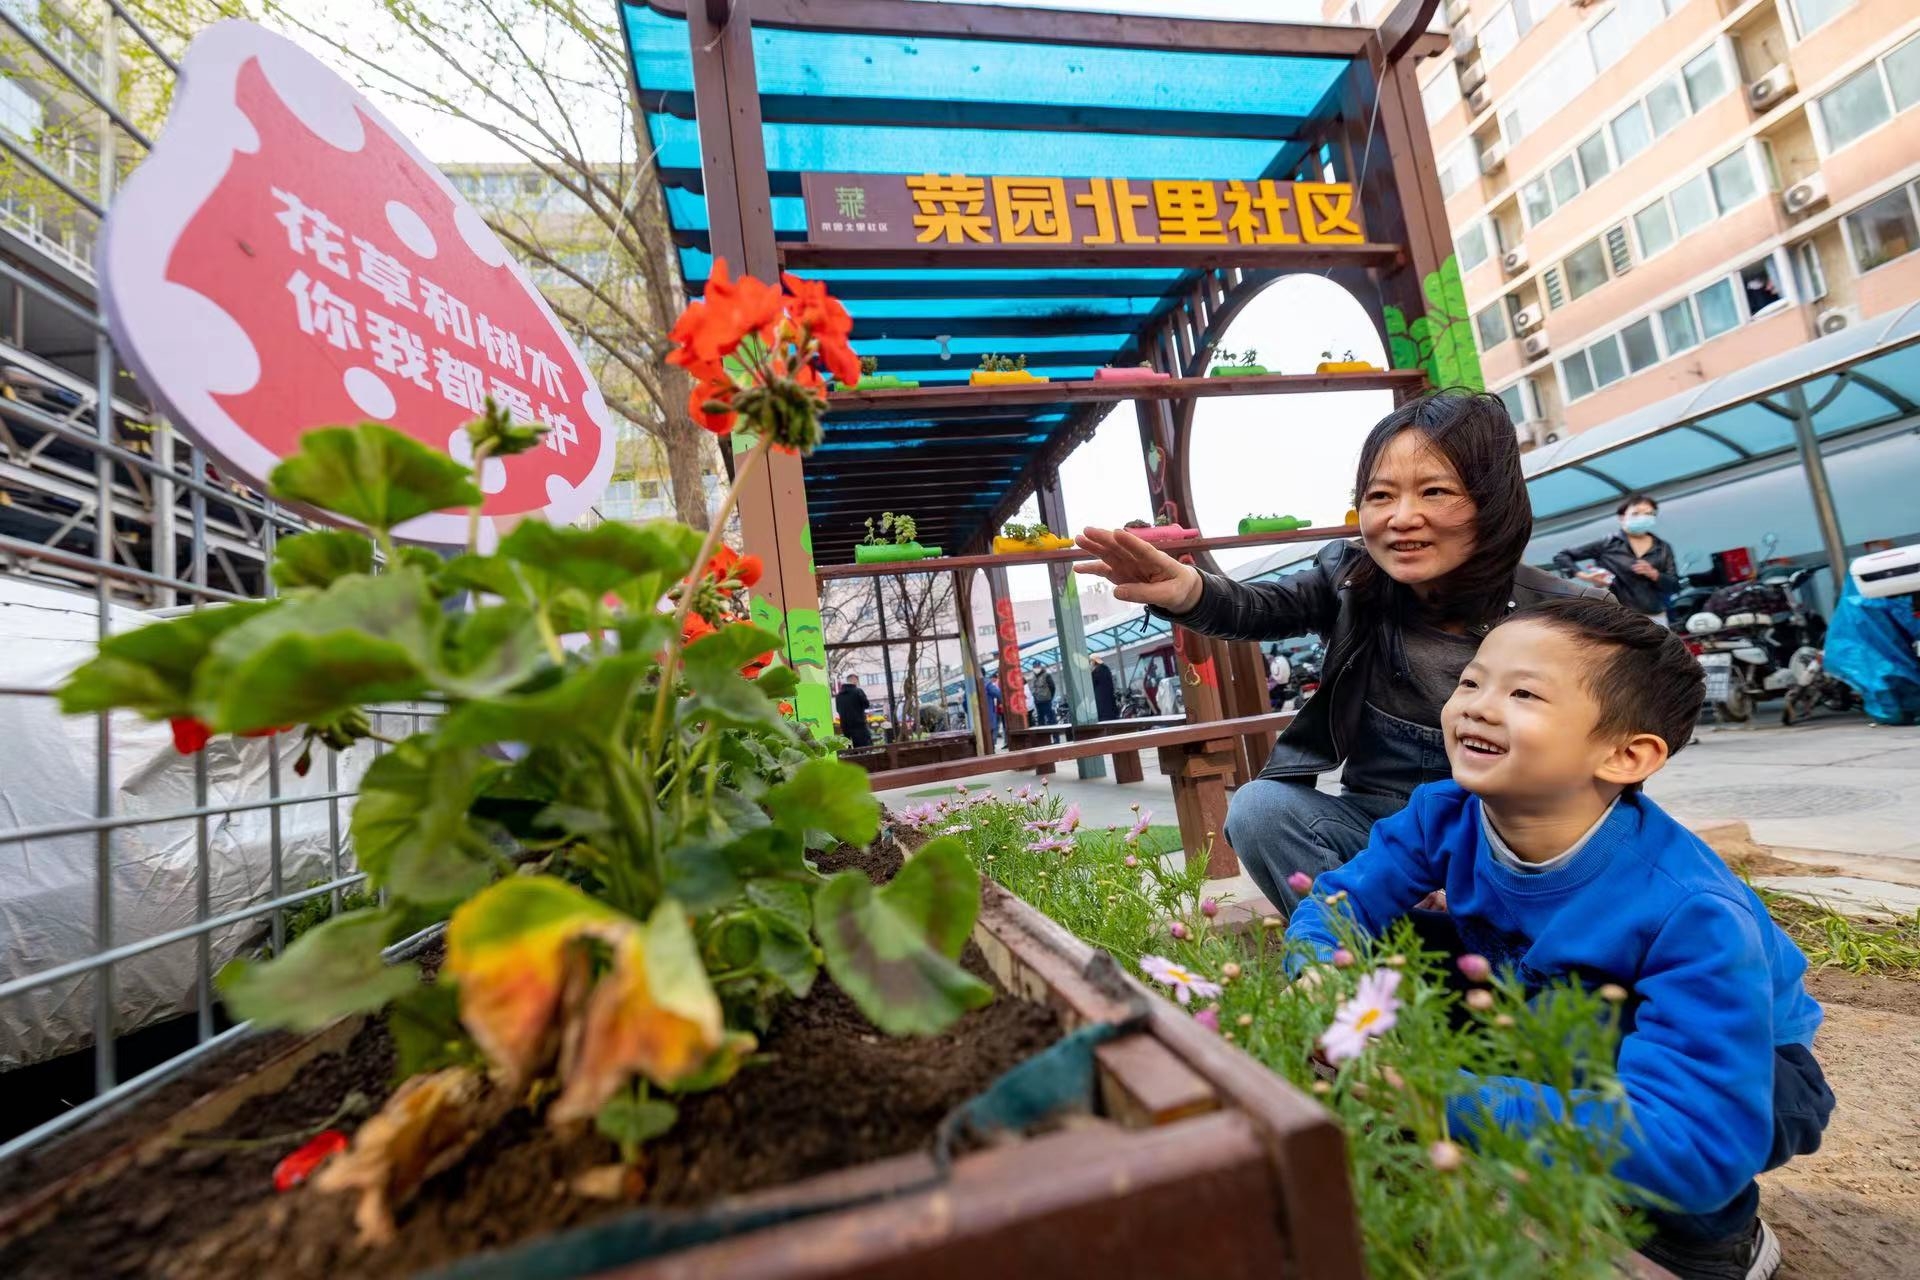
{"points": [[1636, 564], [851, 705], [1106, 705], [1040, 686]]}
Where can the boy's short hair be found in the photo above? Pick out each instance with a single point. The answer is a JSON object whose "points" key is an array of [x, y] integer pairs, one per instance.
{"points": [[1644, 680]]}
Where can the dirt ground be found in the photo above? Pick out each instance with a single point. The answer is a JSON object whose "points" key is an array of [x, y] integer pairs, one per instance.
{"points": [[1851, 1211]]}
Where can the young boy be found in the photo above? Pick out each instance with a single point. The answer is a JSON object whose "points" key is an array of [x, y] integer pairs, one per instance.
{"points": [[1554, 864]]}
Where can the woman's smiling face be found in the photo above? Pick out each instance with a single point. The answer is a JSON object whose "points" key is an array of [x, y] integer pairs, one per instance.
{"points": [[1415, 516]]}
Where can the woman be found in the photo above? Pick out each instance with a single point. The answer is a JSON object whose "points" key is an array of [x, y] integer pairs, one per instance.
{"points": [[1444, 518], [1635, 564]]}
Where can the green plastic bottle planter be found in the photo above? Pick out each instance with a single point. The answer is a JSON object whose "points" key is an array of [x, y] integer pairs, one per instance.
{"points": [[887, 553], [1236, 370], [1272, 524], [883, 382]]}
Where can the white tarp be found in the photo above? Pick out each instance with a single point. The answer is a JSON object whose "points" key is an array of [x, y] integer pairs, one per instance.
{"points": [[47, 898]]}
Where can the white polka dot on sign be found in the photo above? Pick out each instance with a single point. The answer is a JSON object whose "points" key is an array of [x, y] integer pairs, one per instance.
{"points": [[373, 396], [479, 236], [493, 476], [411, 228]]}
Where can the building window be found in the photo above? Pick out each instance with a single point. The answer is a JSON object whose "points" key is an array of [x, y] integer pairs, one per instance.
{"points": [[1497, 36], [617, 502], [1666, 108], [1457, 170], [1733, 183], [1706, 78], [1565, 177], [1883, 230], [1631, 132], [1692, 203], [1811, 15], [1574, 373], [1718, 311], [1857, 107], [1563, 75], [1441, 96], [1642, 348], [21, 114], [1518, 399], [1808, 273], [1586, 269], [1471, 245], [1760, 281], [1654, 225], [1537, 200], [1903, 74], [1492, 326], [1594, 162], [1678, 328], [1605, 358]]}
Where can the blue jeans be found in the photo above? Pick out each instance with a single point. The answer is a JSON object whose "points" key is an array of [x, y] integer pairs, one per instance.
{"points": [[1279, 826]]}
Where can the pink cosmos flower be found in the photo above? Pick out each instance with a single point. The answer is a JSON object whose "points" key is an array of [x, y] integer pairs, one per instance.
{"points": [[1132, 861], [1050, 844], [1343, 959], [1371, 1012], [1070, 820], [1177, 931], [1300, 882], [1209, 908], [1474, 968], [1185, 983], [1139, 827], [1209, 1018]]}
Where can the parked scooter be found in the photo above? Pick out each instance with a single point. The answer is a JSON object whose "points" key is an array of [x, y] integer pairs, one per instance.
{"points": [[1757, 640]]}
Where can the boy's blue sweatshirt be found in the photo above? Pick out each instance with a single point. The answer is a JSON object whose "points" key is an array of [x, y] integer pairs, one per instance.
{"points": [[1714, 983]]}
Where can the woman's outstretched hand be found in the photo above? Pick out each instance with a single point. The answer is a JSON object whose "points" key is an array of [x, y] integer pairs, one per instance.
{"points": [[1140, 572]]}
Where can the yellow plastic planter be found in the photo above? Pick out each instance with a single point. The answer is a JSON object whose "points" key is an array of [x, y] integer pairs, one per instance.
{"points": [[1003, 546], [1003, 377], [1346, 366]]}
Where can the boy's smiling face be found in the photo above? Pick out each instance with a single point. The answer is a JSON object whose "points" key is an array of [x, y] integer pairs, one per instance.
{"points": [[1520, 725]]}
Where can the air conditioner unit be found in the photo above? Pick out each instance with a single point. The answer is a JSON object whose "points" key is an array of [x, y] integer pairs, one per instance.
{"points": [[1835, 320], [1472, 75], [1456, 12], [1770, 88], [1492, 158], [1526, 319], [1463, 42], [1514, 260], [1479, 100], [1804, 194], [1535, 345]]}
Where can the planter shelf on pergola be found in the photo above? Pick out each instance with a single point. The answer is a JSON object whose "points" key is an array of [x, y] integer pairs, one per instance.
{"points": [[901, 151]]}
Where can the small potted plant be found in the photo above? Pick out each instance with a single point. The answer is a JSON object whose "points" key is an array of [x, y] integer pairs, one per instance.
{"points": [[1142, 372], [1161, 530], [1272, 524], [1015, 537], [1347, 363], [872, 381], [1237, 364], [892, 537], [999, 371]]}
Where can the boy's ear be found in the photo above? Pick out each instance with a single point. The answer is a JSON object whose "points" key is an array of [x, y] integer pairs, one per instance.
{"points": [[1633, 760]]}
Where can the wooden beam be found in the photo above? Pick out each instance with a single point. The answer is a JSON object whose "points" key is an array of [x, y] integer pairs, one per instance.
{"points": [[932, 400], [1054, 26], [805, 255], [1185, 735], [1322, 533]]}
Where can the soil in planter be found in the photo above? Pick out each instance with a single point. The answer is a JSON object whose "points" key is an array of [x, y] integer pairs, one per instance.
{"points": [[836, 1093]]}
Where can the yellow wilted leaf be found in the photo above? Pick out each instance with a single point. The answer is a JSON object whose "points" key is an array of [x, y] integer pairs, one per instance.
{"points": [[507, 948], [654, 1013]]}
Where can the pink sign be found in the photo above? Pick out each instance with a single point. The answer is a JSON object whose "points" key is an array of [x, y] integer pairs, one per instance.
{"points": [[285, 259]]}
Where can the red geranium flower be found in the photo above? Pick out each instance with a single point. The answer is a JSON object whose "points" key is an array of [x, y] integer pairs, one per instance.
{"points": [[728, 563], [709, 393], [820, 314], [299, 1166], [189, 734]]}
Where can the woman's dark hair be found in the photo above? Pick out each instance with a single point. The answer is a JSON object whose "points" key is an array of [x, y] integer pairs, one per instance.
{"points": [[1474, 434], [1634, 500]]}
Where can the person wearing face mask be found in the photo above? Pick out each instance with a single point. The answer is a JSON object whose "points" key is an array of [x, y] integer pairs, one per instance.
{"points": [[1444, 518], [1636, 564]]}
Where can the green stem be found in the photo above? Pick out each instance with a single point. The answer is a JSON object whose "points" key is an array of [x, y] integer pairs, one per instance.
{"points": [[548, 636], [473, 512], [384, 540], [642, 834]]}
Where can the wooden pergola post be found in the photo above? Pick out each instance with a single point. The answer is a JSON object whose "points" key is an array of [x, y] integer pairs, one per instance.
{"points": [[773, 506]]}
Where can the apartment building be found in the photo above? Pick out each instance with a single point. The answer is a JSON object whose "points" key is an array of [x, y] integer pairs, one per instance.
{"points": [[1647, 194]]}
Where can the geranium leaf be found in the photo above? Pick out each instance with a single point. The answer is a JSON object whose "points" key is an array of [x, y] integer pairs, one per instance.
{"points": [[786, 952], [726, 699], [592, 702], [939, 891], [373, 475], [150, 669], [778, 681], [410, 824], [878, 951], [606, 557], [332, 970], [489, 651], [489, 575], [632, 1121], [426, 1030], [728, 649], [362, 640], [320, 558], [827, 795]]}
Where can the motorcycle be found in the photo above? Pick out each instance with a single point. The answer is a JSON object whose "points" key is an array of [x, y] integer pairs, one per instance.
{"points": [[1757, 640]]}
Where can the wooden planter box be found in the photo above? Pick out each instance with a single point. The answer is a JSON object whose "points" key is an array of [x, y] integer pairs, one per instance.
{"points": [[935, 748], [1128, 375], [886, 553], [1201, 1162]]}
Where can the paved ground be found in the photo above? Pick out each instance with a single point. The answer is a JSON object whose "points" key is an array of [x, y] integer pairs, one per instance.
{"points": [[1840, 793]]}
